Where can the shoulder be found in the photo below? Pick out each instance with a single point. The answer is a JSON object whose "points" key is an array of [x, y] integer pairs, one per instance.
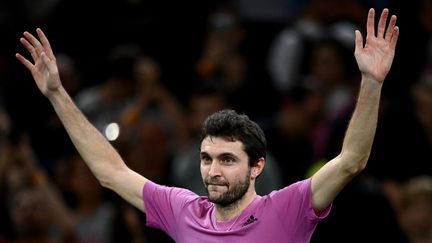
{"points": [[176, 196], [299, 187], [153, 189], [294, 194]]}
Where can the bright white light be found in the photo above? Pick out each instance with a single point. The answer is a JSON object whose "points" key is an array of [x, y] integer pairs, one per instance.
{"points": [[112, 131]]}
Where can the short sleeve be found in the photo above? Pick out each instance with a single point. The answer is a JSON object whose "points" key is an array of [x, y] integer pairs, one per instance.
{"points": [[295, 201], [163, 203]]}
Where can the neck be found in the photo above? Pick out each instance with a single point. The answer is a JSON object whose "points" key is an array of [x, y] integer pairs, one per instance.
{"points": [[236, 208]]}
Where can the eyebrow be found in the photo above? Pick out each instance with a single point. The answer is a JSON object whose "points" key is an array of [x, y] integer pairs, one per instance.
{"points": [[225, 154], [204, 154]]}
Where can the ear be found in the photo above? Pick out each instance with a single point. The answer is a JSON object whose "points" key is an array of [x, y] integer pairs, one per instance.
{"points": [[258, 168]]}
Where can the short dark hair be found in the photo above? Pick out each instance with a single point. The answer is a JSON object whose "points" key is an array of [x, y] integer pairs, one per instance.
{"points": [[232, 126]]}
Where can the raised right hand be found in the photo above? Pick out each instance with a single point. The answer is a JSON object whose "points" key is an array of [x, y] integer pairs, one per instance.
{"points": [[44, 70]]}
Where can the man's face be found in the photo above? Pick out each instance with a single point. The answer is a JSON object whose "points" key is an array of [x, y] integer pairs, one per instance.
{"points": [[225, 170]]}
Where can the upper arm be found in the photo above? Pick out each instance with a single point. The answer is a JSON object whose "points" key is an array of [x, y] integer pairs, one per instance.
{"points": [[129, 185], [328, 182]]}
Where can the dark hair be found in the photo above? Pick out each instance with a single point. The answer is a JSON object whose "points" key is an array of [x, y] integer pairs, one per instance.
{"points": [[232, 126]]}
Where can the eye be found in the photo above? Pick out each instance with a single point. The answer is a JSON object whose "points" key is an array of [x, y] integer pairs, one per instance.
{"points": [[205, 159], [227, 160]]}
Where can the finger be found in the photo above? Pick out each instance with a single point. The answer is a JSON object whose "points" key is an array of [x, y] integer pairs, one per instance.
{"points": [[29, 48], [24, 61], [358, 41], [34, 42], [390, 28], [394, 37], [382, 23], [45, 43], [370, 25]]}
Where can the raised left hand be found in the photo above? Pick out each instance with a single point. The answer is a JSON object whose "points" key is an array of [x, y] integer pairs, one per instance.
{"points": [[375, 57]]}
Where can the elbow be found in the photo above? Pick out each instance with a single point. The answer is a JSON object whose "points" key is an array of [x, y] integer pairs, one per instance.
{"points": [[108, 182], [111, 180], [358, 168], [355, 163], [105, 183]]}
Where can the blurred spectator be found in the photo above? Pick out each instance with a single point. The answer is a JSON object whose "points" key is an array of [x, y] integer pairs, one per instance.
{"points": [[5, 124], [71, 77], [329, 66], [315, 110], [318, 20], [426, 21], [129, 226], [93, 212], [97, 216], [5, 130], [415, 209], [290, 136], [152, 123], [103, 103], [223, 61], [412, 122], [375, 219], [32, 219], [422, 95], [36, 211], [269, 11]]}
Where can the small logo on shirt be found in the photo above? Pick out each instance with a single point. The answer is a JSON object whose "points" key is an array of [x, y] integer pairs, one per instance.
{"points": [[250, 220]]}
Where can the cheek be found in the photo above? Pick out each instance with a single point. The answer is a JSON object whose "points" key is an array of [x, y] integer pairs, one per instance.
{"points": [[237, 176], [204, 170]]}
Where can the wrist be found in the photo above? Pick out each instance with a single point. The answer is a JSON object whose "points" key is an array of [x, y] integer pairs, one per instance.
{"points": [[370, 81], [370, 77], [57, 96]]}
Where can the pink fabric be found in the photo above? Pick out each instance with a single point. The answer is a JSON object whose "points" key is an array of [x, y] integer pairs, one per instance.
{"points": [[285, 215]]}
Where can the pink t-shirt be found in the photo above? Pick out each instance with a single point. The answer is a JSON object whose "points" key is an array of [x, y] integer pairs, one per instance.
{"points": [[285, 215]]}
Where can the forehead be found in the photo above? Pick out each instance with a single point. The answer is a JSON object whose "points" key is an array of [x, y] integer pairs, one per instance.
{"points": [[219, 145]]}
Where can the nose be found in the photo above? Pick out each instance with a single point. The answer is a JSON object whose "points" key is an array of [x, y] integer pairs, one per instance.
{"points": [[214, 169]]}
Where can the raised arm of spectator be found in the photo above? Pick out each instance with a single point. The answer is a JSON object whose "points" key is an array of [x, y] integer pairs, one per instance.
{"points": [[374, 60], [102, 159]]}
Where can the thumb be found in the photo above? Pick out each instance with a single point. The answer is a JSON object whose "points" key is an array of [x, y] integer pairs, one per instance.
{"points": [[358, 41]]}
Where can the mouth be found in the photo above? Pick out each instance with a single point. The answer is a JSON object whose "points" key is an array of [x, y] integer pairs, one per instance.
{"points": [[215, 182], [216, 185], [218, 188], [216, 191]]}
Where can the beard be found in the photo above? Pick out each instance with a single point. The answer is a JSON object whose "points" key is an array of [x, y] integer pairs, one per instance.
{"points": [[234, 193]]}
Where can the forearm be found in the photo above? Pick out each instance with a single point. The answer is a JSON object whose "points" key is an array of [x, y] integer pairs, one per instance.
{"points": [[102, 159], [360, 133]]}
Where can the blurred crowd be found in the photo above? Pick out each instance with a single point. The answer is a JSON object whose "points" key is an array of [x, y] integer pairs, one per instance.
{"points": [[147, 74]]}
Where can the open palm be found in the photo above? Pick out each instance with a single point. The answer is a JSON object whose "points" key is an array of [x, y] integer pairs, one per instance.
{"points": [[44, 69], [376, 56]]}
